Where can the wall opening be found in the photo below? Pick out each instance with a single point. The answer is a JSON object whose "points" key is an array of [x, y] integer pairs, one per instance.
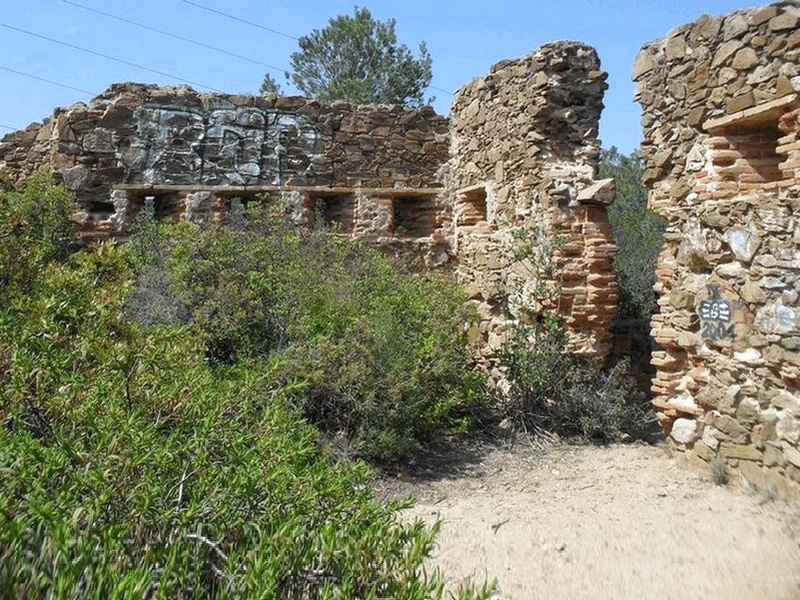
{"points": [[471, 206], [161, 206], [414, 216], [236, 208], [100, 211], [745, 157], [334, 211]]}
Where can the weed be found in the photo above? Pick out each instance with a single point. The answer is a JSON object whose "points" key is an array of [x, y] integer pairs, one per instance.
{"points": [[719, 471]]}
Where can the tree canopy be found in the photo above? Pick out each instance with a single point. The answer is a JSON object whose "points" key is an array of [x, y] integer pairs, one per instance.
{"points": [[639, 233], [359, 59]]}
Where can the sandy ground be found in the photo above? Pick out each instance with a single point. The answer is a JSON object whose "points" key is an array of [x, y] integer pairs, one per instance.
{"points": [[604, 523]]}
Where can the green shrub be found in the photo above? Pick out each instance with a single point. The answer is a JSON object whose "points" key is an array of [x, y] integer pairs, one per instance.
{"points": [[130, 467], [34, 230], [554, 391], [364, 350]]}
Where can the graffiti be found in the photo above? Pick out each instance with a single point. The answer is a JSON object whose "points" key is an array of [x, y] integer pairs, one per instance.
{"points": [[223, 146], [715, 317]]}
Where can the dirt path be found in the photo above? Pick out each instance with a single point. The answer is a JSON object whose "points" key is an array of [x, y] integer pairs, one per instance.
{"points": [[606, 523]]}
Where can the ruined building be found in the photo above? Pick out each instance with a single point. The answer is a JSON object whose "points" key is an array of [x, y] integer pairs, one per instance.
{"points": [[722, 158], [520, 151], [721, 115]]}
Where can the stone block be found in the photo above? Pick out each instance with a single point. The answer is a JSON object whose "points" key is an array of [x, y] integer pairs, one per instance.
{"points": [[773, 455], [786, 21], [791, 454], [740, 102], [788, 426], [733, 430], [685, 431], [753, 473], [737, 451]]}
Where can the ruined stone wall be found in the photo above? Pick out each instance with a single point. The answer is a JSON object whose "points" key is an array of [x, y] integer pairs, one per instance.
{"points": [[524, 151], [722, 158], [519, 154], [173, 145]]}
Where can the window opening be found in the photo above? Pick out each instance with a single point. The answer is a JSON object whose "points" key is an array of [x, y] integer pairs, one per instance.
{"points": [[415, 216], [472, 207]]}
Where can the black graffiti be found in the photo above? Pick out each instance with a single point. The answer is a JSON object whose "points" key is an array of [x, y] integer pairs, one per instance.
{"points": [[717, 330], [715, 317]]}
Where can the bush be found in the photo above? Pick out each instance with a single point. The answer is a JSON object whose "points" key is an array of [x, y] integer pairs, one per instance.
{"points": [[34, 230], [129, 467], [638, 231], [365, 351], [556, 392]]}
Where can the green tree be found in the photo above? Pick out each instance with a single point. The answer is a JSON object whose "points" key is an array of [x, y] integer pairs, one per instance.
{"points": [[639, 233], [357, 58], [269, 85]]}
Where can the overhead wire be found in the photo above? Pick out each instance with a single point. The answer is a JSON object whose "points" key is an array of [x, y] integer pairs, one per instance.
{"points": [[240, 19], [46, 80], [174, 36], [274, 31], [143, 67], [108, 57]]}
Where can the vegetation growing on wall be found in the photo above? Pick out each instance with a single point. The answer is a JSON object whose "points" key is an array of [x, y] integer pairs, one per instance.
{"points": [[550, 389]]}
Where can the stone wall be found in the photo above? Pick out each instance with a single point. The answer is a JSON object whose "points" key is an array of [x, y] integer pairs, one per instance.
{"points": [[722, 158], [524, 151], [140, 143], [519, 154]]}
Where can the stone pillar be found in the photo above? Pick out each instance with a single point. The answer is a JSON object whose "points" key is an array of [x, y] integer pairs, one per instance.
{"points": [[122, 217], [523, 147], [199, 206]]}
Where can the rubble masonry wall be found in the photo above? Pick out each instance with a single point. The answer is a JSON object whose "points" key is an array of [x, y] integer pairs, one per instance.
{"points": [[722, 159], [519, 153]]}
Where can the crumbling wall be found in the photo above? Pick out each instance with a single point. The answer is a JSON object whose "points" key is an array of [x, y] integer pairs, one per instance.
{"points": [[520, 154], [524, 151], [141, 144], [722, 158]]}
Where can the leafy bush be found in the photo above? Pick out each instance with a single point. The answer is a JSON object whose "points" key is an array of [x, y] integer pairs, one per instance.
{"points": [[130, 467], [365, 351], [34, 230]]}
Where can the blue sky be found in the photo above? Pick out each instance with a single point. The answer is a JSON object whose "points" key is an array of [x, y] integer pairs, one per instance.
{"points": [[464, 37]]}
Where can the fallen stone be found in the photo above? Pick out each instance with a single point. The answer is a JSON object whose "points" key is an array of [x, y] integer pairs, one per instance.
{"points": [[685, 431]]}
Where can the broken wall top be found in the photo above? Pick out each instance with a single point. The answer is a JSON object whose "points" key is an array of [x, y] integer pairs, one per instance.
{"points": [[143, 134], [543, 107]]}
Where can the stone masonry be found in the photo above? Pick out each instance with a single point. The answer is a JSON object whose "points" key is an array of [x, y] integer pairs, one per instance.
{"points": [[519, 154], [722, 158], [524, 151]]}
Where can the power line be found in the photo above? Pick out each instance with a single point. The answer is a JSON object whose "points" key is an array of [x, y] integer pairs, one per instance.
{"points": [[438, 89], [59, 84], [241, 20], [275, 31], [107, 57], [175, 36], [2, 126]]}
